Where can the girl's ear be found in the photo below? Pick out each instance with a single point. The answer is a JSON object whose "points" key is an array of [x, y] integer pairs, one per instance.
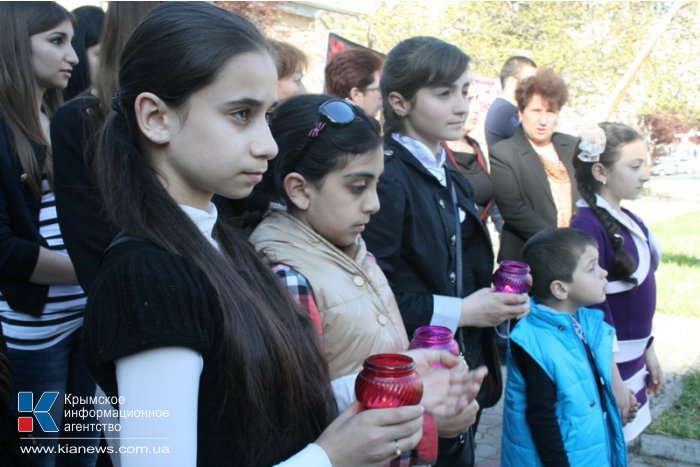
{"points": [[399, 104], [153, 118], [559, 290], [297, 189], [599, 172]]}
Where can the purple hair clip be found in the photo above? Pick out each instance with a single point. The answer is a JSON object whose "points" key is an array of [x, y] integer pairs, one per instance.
{"points": [[317, 129]]}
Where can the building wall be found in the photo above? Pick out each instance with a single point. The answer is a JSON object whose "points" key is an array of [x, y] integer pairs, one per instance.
{"points": [[304, 25]]}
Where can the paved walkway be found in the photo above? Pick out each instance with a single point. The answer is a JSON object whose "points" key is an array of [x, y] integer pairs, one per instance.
{"points": [[676, 341]]}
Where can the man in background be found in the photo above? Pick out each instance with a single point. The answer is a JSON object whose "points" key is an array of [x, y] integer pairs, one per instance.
{"points": [[502, 117]]}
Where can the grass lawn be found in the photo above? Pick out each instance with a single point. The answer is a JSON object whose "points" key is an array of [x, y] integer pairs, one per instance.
{"points": [[677, 284], [678, 277], [682, 419]]}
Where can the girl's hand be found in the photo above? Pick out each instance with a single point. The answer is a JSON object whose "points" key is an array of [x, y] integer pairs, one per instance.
{"points": [[633, 407], [446, 391], [622, 395], [454, 425], [53, 268], [370, 437], [456, 411], [656, 378], [486, 307], [424, 357]]}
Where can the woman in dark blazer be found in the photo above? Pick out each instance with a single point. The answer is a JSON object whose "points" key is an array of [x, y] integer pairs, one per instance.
{"points": [[532, 171]]}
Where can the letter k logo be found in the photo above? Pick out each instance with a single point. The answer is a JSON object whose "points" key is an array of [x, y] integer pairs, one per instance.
{"points": [[25, 403]]}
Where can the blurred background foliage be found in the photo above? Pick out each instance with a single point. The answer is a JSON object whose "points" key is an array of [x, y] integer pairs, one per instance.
{"points": [[591, 43]]}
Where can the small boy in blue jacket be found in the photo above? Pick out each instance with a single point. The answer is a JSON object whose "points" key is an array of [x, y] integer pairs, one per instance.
{"points": [[559, 405]]}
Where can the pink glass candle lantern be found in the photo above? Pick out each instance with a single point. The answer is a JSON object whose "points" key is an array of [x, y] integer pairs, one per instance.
{"points": [[512, 277], [388, 380], [434, 337]]}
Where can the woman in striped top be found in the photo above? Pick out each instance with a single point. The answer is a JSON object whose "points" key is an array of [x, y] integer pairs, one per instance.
{"points": [[41, 305]]}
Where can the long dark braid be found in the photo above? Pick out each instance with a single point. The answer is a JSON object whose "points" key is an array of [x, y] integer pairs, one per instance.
{"points": [[617, 135]]}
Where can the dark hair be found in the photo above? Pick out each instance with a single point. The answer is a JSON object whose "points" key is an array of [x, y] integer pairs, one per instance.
{"points": [[351, 68], [548, 84], [552, 255], [513, 67], [616, 136], [415, 63], [19, 21], [287, 58], [119, 23], [335, 148], [88, 27], [278, 398]]}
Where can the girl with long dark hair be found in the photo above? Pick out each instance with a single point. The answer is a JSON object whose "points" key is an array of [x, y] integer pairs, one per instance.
{"points": [[182, 315], [41, 305], [611, 167]]}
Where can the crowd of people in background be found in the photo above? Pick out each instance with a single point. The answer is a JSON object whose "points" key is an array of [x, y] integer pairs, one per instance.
{"points": [[184, 229]]}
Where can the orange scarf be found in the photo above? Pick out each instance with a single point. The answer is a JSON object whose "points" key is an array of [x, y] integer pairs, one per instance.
{"points": [[560, 184]]}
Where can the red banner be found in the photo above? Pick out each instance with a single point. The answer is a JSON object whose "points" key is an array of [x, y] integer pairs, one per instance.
{"points": [[337, 43]]}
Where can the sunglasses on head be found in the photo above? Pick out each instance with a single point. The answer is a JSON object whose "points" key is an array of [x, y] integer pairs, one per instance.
{"points": [[335, 112]]}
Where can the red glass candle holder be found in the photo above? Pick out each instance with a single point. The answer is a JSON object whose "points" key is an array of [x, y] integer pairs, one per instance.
{"points": [[512, 277], [388, 380], [434, 337]]}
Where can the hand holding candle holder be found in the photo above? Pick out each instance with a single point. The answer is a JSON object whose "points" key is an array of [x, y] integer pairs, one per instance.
{"points": [[511, 277], [388, 380], [434, 337]]}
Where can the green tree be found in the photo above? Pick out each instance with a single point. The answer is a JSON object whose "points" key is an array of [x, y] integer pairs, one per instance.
{"points": [[590, 43]]}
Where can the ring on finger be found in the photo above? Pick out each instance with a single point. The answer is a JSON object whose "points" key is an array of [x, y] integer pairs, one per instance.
{"points": [[398, 449]]}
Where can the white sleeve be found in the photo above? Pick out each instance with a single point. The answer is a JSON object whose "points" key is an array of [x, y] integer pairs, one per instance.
{"points": [[162, 379], [446, 311], [344, 391], [311, 455]]}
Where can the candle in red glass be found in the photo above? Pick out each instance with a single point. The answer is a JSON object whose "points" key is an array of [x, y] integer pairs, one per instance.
{"points": [[434, 337], [388, 380], [512, 277]]}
